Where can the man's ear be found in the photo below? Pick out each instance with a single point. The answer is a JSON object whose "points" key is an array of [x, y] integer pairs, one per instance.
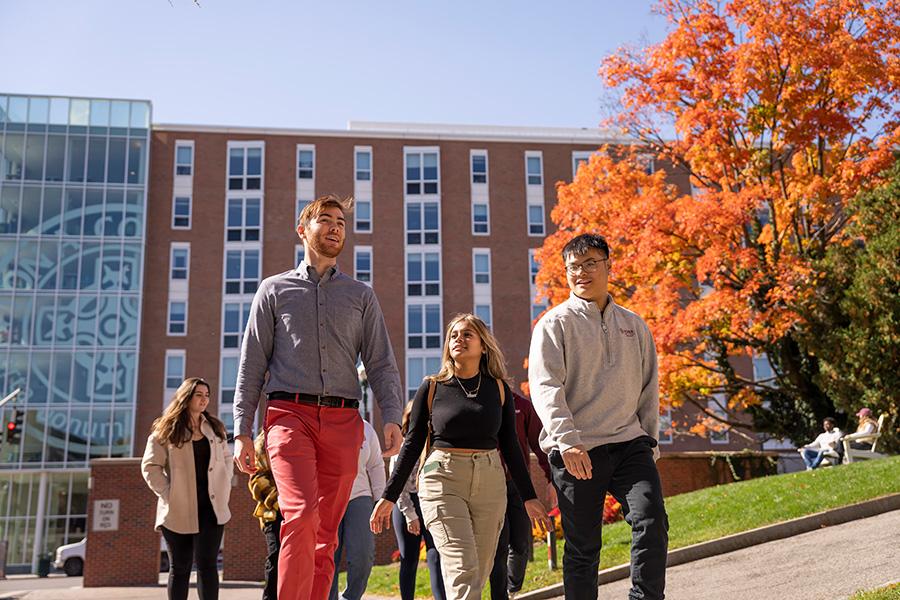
{"points": [[300, 229]]}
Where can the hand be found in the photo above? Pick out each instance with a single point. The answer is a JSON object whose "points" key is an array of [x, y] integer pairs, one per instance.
{"points": [[414, 527], [538, 515], [577, 462], [381, 516], [244, 454], [392, 439], [552, 500]]}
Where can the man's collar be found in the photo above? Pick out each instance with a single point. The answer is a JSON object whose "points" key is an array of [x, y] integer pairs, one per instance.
{"points": [[307, 272], [589, 306]]}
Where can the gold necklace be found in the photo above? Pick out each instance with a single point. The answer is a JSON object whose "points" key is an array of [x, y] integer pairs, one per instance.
{"points": [[473, 393]]}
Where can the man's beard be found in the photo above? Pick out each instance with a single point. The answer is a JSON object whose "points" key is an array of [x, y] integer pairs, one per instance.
{"points": [[324, 250]]}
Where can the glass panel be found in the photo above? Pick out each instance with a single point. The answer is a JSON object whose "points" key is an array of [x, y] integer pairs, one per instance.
{"points": [[79, 433], [39, 378], [99, 113], [116, 161], [83, 368], [34, 157], [114, 213], [414, 314], [31, 210], [107, 321], [59, 111], [44, 319], [38, 110], [18, 109], [128, 314], [119, 114], [13, 155], [77, 157], [96, 163], [111, 272], [62, 375], [48, 265], [120, 435], [125, 376], [78, 112], [93, 212], [66, 311], [87, 321], [104, 371], [140, 115], [136, 161], [236, 161], [9, 209], [90, 266], [183, 155], [56, 158], [26, 265], [254, 161]]}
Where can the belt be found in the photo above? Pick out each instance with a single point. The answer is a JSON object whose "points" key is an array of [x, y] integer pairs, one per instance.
{"points": [[330, 401]]}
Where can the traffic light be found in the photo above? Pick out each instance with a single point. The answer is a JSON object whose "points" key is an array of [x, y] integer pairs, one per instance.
{"points": [[14, 427]]}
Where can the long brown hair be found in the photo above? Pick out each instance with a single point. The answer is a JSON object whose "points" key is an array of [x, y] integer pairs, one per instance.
{"points": [[404, 421], [174, 426], [492, 362]]}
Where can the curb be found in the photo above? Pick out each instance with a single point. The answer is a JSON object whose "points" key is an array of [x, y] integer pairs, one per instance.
{"points": [[760, 535]]}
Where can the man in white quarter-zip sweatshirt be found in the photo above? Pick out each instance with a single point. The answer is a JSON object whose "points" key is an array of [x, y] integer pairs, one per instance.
{"points": [[592, 372]]}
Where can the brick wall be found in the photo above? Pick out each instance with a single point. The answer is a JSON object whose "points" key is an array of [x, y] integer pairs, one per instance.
{"points": [[683, 472], [244, 550], [129, 555]]}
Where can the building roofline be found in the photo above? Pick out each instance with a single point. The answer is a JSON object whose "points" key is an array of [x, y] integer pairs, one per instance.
{"points": [[423, 131]]}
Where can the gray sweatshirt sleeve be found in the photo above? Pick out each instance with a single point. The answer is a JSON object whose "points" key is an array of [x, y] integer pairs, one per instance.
{"points": [[648, 403], [381, 367], [255, 355], [547, 383]]}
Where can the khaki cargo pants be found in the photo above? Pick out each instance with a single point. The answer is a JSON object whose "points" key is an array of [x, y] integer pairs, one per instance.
{"points": [[463, 498]]}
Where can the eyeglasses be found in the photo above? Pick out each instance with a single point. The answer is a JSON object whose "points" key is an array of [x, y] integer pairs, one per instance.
{"points": [[588, 266]]}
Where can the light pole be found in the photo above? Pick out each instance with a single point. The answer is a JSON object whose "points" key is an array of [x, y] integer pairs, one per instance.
{"points": [[364, 384]]}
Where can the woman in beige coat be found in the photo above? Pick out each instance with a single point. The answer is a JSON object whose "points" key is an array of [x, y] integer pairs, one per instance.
{"points": [[188, 466]]}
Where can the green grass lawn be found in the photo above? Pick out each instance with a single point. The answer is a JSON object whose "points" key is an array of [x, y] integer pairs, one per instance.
{"points": [[709, 514], [891, 592]]}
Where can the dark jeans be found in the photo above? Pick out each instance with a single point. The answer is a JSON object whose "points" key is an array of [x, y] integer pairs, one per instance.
{"points": [[185, 549], [511, 558], [273, 547], [356, 540], [627, 471], [409, 545]]}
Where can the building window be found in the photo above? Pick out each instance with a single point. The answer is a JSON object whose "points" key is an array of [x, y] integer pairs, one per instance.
{"points": [[579, 158], [301, 204], [234, 323], [483, 312], [715, 406], [179, 263], [480, 224], [299, 254], [423, 274], [184, 158], [665, 427], [362, 216], [536, 307], [362, 263], [534, 168], [245, 167], [423, 326], [227, 385], [177, 317], [363, 165], [422, 223], [306, 162], [241, 271], [482, 267], [243, 220], [181, 212], [174, 369], [417, 367], [479, 167], [535, 219], [421, 173]]}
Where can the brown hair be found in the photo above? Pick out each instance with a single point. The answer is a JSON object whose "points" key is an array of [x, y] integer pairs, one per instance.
{"points": [[317, 206], [174, 426], [492, 361], [404, 420]]}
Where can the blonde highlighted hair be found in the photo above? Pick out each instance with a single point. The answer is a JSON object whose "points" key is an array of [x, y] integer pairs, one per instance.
{"points": [[318, 206], [492, 361], [174, 426]]}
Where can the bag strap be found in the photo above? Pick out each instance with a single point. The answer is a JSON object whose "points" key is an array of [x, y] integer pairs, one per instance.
{"points": [[502, 389], [427, 449]]}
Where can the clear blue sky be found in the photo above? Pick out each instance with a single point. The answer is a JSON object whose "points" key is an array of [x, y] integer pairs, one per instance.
{"points": [[319, 64]]}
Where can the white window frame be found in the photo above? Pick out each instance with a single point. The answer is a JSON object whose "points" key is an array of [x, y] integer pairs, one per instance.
{"points": [[179, 284], [357, 150], [540, 156], [356, 219], [424, 357], [227, 408], [176, 164], [424, 282], [244, 199], [421, 151], [190, 204], [481, 154], [490, 316], [424, 231], [243, 315], [168, 391], [169, 321], [424, 305], [356, 253], [245, 146], [543, 222], [579, 156], [243, 249], [306, 148], [481, 252], [487, 223]]}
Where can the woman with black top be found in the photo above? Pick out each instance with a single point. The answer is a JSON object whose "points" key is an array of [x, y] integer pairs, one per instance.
{"points": [[188, 466], [463, 415]]}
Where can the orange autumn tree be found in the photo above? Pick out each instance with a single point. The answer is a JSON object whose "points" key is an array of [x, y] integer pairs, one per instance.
{"points": [[779, 112]]}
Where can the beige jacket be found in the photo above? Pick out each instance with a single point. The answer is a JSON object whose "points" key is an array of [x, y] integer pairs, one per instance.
{"points": [[169, 471]]}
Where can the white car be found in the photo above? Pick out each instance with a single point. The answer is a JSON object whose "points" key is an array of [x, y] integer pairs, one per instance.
{"points": [[70, 558]]}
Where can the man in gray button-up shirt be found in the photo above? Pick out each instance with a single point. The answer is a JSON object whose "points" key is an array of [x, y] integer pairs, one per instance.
{"points": [[307, 328]]}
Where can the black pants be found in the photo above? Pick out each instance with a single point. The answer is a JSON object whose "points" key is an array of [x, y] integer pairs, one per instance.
{"points": [[185, 549], [409, 545], [628, 472], [273, 547], [511, 558]]}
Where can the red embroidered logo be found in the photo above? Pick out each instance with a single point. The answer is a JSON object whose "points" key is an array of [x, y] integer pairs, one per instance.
{"points": [[627, 332]]}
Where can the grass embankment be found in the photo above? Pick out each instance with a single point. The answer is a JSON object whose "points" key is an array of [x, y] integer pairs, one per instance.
{"points": [[709, 514], [891, 592]]}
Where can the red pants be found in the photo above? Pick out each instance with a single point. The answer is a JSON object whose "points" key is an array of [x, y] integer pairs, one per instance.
{"points": [[313, 452]]}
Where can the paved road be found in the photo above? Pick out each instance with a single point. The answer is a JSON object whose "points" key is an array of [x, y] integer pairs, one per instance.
{"points": [[829, 564]]}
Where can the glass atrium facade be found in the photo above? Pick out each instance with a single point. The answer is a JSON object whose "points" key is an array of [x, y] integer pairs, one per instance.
{"points": [[73, 189]]}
